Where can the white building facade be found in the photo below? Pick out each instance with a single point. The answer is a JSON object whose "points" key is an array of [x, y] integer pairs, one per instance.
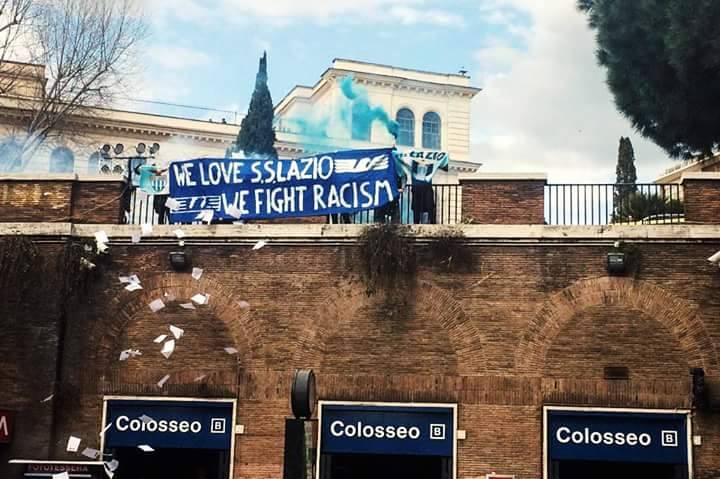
{"points": [[433, 110]]}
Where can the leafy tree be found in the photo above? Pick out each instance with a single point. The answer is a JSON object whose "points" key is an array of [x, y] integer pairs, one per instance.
{"points": [[626, 173], [663, 68], [257, 135], [647, 207]]}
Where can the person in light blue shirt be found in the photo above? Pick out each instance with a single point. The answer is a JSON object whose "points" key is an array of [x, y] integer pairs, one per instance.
{"points": [[150, 178], [152, 182]]}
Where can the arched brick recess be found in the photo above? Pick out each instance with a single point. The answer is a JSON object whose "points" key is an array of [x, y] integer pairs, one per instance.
{"points": [[350, 300], [223, 304], [680, 317]]}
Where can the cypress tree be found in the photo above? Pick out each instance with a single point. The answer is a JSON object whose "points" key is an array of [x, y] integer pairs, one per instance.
{"points": [[625, 170], [626, 176], [257, 136]]}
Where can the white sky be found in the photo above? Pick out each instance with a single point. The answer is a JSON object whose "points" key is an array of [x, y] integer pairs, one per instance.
{"points": [[546, 108]]}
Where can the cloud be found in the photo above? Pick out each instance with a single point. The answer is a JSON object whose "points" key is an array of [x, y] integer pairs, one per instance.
{"points": [[284, 12], [545, 106], [175, 57], [164, 13], [413, 16]]}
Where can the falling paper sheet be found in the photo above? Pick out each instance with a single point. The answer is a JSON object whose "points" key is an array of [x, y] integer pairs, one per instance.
{"points": [[233, 211], [206, 216], [260, 244], [87, 264], [231, 350], [200, 378], [124, 279], [187, 306], [134, 279], [146, 448], [197, 273], [146, 419], [73, 444], [102, 237], [47, 398], [102, 247], [179, 233], [133, 287], [61, 475], [162, 382], [168, 349], [129, 353], [156, 305], [243, 304], [170, 297], [177, 332], [112, 465], [199, 299], [172, 204], [160, 338], [147, 229], [91, 453], [135, 238], [105, 429]]}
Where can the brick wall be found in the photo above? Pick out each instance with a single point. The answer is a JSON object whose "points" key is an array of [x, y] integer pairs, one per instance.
{"points": [[97, 201], [702, 198], [496, 200], [29, 200], [29, 338], [60, 198], [529, 325]]}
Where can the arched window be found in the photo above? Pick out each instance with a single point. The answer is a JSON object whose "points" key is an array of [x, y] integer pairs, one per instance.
{"points": [[406, 127], [10, 156], [62, 160], [361, 122], [432, 129], [94, 163]]}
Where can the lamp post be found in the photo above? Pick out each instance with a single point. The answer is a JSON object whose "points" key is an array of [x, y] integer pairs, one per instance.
{"points": [[142, 154], [113, 154]]}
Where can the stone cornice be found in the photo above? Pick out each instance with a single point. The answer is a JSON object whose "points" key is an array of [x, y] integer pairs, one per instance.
{"points": [[318, 234], [100, 120], [373, 79]]}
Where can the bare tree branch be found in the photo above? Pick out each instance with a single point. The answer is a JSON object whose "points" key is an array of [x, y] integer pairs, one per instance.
{"points": [[85, 47]]}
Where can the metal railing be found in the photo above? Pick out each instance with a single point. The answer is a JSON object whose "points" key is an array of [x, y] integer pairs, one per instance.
{"points": [[439, 204], [620, 203]]}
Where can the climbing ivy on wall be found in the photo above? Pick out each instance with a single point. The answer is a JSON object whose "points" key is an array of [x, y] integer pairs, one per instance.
{"points": [[387, 256], [23, 268], [20, 266]]}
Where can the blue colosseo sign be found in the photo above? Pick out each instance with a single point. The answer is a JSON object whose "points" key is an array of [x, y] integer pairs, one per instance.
{"points": [[169, 424], [340, 182], [401, 430], [617, 436]]}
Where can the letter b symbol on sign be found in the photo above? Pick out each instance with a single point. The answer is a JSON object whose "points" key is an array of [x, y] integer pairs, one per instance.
{"points": [[217, 425], [669, 439], [437, 431]]}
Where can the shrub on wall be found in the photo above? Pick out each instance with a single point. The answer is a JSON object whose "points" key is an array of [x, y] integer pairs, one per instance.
{"points": [[20, 266], [23, 269], [448, 251], [387, 257]]}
